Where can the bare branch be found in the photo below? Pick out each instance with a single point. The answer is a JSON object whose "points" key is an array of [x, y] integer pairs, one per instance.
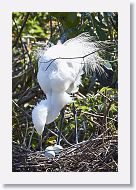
{"points": [[21, 30]]}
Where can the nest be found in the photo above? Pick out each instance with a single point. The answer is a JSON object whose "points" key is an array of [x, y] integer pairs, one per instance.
{"points": [[98, 154]]}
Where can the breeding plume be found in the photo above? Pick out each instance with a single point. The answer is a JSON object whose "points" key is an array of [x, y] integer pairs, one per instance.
{"points": [[60, 69]]}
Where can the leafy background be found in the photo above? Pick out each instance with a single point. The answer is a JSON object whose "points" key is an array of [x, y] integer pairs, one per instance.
{"points": [[97, 105]]}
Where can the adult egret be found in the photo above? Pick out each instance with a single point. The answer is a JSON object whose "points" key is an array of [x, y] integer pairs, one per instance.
{"points": [[59, 74]]}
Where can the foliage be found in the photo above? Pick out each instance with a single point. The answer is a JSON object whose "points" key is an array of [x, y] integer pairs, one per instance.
{"points": [[97, 106]]}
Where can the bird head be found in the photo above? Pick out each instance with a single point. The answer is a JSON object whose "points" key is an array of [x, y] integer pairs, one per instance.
{"points": [[48, 110], [39, 116]]}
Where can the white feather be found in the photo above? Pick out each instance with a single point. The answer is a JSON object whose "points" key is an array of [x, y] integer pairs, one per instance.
{"points": [[59, 74], [39, 116]]}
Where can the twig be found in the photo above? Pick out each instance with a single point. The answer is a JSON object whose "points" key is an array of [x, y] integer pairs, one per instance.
{"points": [[30, 140], [20, 39], [23, 25], [96, 115], [105, 96], [24, 142], [61, 125], [106, 113], [63, 136], [21, 109], [51, 27], [93, 121], [80, 57]]}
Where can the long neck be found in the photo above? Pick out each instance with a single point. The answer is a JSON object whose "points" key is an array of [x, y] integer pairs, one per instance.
{"points": [[56, 102]]}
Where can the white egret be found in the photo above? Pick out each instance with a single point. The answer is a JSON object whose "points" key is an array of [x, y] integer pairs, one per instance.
{"points": [[59, 74]]}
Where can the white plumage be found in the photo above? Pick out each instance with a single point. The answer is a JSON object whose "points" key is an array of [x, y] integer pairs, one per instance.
{"points": [[52, 151], [49, 152], [57, 149], [59, 73]]}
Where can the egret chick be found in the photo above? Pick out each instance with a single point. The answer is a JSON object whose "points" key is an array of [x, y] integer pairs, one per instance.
{"points": [[57, 149], [49, 152]]}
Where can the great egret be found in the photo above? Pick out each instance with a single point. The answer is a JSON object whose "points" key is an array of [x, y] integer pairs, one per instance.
{"points": [[59, 74]]}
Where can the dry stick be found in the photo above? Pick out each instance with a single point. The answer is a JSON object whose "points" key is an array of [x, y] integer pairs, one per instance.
{"points": [[61, 125], [63, 137], [21, 109], [93, 121], [28, 94], [26, 99], [30, 140], [107, 107], [23, 25], [106, 113], [96, 115], [51, 30], [30, 61], [80, 94], [33, 162], [66, 140], [24, 141], [80, 57], [107, 110], [20, 39], [105, 96], [21, 74]]}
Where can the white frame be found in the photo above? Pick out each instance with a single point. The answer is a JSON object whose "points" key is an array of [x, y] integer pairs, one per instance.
{"points": [[9, 177]]}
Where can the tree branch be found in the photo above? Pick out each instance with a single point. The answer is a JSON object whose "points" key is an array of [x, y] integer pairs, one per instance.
{"points": [[21, 30]]}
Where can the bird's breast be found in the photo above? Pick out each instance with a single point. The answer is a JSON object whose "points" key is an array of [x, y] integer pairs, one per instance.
{"points": [[58, 77]]}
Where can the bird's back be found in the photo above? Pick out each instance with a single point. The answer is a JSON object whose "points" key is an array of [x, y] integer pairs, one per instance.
{"points": [[56, 74]]}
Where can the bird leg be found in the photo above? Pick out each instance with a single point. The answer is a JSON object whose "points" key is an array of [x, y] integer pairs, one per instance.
{"points": [[61, 125], [40, 141], [30, 140], [75, 118]]}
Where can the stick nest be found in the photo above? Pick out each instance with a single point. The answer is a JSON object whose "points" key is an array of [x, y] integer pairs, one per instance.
{"points": [[98, 154]]}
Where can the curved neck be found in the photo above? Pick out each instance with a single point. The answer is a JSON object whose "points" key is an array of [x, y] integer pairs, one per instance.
{"points": [[56, 101]]}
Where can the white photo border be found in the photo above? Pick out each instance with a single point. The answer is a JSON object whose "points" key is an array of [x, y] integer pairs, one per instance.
{"points": [[123, 174]]}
